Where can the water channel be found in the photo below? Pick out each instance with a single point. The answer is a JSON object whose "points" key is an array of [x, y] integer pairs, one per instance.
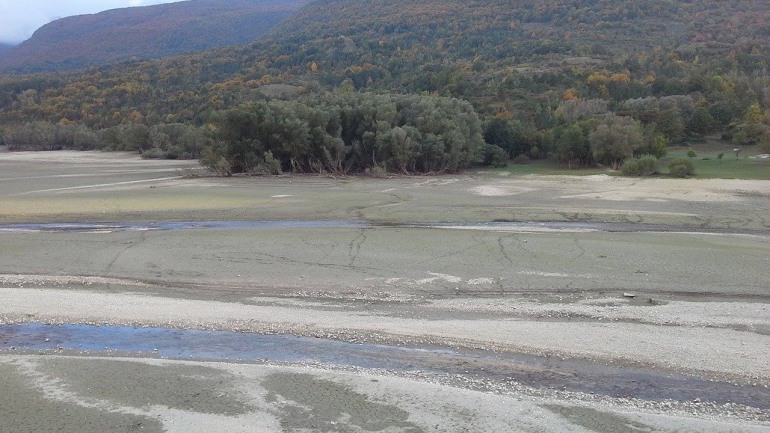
{"points": [[534, 371]]}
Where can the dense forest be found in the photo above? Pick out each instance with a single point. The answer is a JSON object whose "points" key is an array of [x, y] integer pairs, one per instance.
{"points": [[580, 81]]}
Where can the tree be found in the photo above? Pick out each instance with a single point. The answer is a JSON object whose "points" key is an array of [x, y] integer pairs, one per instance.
{"points": [[702, 122], [573, 146], [752, 131], [615, 138], [513, 136]]}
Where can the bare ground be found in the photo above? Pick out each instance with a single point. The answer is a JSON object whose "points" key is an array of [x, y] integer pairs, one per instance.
{"points": [[691, 298]]}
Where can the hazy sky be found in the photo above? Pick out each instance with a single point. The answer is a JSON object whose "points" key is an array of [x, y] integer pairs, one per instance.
{"points": [[20, 18]]}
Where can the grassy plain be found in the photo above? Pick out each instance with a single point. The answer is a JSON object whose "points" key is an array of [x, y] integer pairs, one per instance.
{"points": [[749, 165]]}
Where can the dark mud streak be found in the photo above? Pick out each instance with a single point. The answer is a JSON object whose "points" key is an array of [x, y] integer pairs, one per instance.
{"points": [[529, 370]]}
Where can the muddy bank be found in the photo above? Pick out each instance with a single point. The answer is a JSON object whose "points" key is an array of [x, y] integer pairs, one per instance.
{"points": [[87, 395], [709, 352], [71, 186]]}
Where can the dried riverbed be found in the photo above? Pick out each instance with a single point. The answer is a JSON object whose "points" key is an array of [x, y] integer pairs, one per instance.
{"points": [[465, 303]]}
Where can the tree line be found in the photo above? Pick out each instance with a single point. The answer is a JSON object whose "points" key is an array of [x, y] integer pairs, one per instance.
{"points": [[334, 132]]}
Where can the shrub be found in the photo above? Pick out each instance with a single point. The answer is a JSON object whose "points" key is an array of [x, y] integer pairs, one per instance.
{"points": [[271, 165], [645, 166], [154, 153], [377, 170], [691, 154], [681, 167], [495, 156], [521, 159]]}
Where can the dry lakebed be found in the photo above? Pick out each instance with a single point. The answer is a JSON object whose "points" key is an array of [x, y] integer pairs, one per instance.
{"points": [[143, 295]]}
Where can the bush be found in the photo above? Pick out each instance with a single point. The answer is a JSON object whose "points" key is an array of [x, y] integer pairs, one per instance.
{"points": [[495, 156], [691, 154], [377, 171], [645, 166], [681, 167], [271, 165], [154, 153], [521, 159]]}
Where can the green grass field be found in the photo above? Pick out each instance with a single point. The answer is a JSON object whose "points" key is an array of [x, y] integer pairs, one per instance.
{"points": [[707, 163]]}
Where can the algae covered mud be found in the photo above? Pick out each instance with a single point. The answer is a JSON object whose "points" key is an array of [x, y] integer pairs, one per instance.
{"points": [[474, 302]]}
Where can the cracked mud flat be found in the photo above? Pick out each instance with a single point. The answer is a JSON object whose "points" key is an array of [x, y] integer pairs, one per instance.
{"points": [[428, 267]]}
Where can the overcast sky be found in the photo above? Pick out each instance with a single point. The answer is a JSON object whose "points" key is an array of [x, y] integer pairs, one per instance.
{"points": [[20, 18]]}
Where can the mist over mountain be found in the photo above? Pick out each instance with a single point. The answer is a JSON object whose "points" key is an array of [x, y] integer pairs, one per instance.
{"points": [[148, 32]]}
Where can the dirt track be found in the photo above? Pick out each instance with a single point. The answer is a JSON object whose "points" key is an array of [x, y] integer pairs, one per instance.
{"points": [[700, 288]]}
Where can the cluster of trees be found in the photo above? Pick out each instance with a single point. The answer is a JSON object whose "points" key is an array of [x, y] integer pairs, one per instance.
{"points": [[347, 132], [334, 132], [606, 139]]}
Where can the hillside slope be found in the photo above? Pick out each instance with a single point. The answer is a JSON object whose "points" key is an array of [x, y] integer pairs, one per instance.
{"points": [[146, 33], [520, 60]]}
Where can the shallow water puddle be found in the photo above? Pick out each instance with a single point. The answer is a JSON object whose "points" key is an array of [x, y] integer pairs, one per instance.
{"points": [[176, 226], [528, 370], [504, 226]]}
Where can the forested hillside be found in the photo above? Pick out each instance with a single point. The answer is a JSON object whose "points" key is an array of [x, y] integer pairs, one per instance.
{"points": [[547, 78], [149, 32]]}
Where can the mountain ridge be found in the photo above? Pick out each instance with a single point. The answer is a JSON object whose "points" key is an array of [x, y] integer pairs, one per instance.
{"points": [[147, 32]]}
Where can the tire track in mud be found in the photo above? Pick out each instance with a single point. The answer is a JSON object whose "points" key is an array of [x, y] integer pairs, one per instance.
{"points": [[501, 246], [359, 211], [476, 243], [270, 259], [131, 245], [354, 247]]}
